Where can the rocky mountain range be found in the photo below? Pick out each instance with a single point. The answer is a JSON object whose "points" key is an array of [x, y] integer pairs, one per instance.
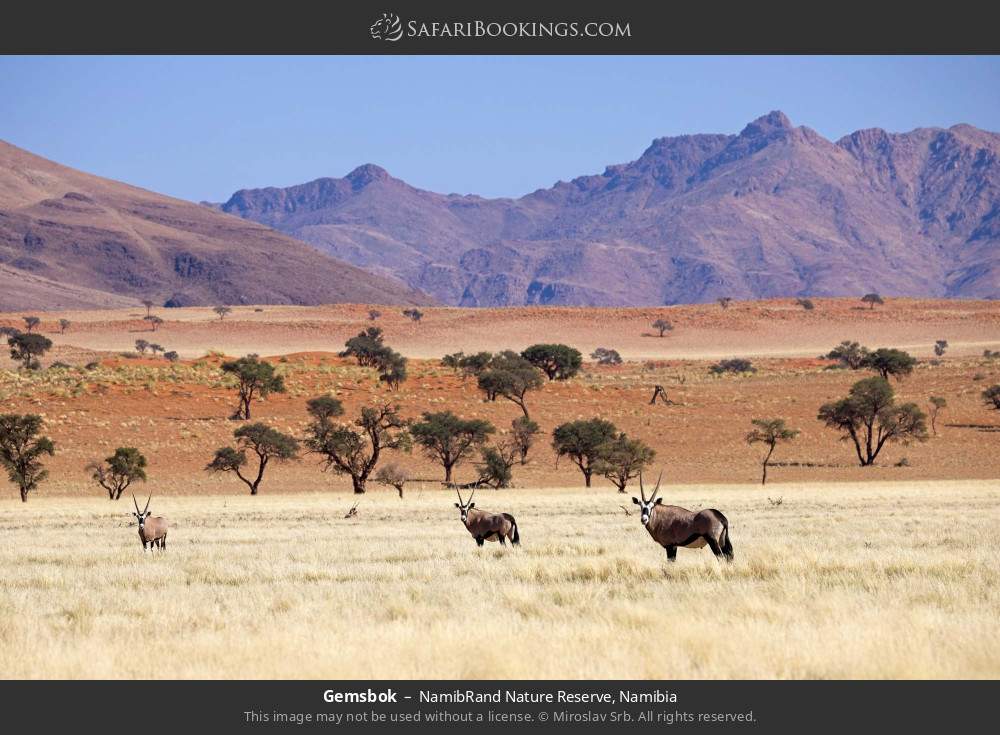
{"points": [[773, 211], [71, 240]]}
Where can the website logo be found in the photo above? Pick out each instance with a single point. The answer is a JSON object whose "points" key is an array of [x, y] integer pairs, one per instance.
{"points": [[387, 28]]}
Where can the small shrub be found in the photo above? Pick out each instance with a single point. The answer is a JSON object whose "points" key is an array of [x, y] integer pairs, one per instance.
{"points": [[605, 356], [393, 475], [733, 365]]}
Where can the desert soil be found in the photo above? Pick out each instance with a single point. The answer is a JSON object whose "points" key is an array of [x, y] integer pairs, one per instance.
{"points": [[746, 329], [177, 414]]}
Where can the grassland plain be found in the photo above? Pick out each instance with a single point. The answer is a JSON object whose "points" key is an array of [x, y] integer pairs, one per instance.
{"points": [[875, 579]]}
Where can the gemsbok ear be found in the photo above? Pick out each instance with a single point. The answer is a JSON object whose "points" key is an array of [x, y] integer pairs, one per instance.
{"points": [[149, 513], [472, 505], [458, 506], [635, 500], [659, 500]]}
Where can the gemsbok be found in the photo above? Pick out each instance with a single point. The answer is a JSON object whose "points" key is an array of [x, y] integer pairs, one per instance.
{"points": [[152, 531], [486, 526], [672, 526]]}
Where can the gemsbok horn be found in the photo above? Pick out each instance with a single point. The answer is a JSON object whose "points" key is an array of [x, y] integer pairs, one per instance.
{"points": [[485, 526], [152, 531], [672, 526]]}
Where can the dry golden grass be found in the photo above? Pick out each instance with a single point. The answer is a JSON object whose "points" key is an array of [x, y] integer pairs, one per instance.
{"points": [[841, 580]]}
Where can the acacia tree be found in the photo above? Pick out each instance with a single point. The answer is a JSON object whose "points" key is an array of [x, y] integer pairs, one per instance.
{"points": [[448, 439], [937, 405], [254, 378], [583, 441], [869, 417], [510, 376], [725, 301], [496, 465], [30, 322], [887, 361], [940, 347], [662, 325], [849, 354], [453, 361], [872, 299], [473, 365], [27, 348], [262, 440], [769, 432], [392, 368], [622, 459], [354, 449], [154, 321], [222, 311], [141, 346], [64, 325], [367, 347], [523, 433], [22, 450], [149, 306], [413, 314], [558, 362], [117, 472]]}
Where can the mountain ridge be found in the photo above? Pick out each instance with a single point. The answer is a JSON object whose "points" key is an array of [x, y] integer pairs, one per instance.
{"points": [[774, 210]]}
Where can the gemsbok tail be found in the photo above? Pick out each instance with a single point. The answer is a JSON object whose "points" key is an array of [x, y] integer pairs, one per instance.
{"points": [[515, 536], [725, 544]]}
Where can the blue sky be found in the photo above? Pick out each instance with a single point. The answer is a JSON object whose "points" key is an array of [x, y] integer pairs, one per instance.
{"points": [[202, 127]]}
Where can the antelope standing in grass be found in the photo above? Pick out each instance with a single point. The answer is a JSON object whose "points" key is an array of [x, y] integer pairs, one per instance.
{"points": [[486, 526], [152, 531], [672, 526]]}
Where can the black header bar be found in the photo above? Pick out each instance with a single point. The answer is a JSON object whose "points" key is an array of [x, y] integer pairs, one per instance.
{"points": [[449, 27]]}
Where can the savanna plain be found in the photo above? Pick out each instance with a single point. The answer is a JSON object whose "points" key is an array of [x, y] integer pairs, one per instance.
{"points": [[840, 571]]}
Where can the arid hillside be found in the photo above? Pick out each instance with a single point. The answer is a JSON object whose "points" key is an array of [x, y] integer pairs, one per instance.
{"points": [[69, 239]]}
